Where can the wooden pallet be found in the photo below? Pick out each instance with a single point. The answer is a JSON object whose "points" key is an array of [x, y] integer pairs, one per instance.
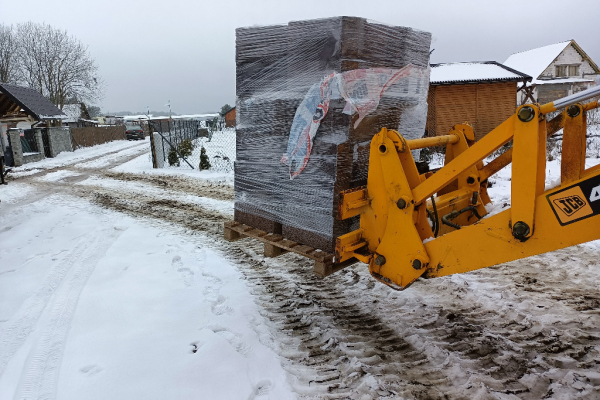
{"points": [[276, 245]]}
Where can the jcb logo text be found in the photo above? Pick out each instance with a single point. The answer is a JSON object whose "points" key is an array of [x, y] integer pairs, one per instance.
{"points": [[569, 205]]}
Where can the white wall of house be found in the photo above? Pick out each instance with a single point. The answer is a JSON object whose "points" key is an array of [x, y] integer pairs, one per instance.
{"points": [[569, 56], [24, 125]]}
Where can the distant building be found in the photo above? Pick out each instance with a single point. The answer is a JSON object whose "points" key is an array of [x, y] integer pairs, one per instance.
{"points": [[230, 118], [113, 120], [483, 94], [558, 70], [77, 116], [100, 120]]}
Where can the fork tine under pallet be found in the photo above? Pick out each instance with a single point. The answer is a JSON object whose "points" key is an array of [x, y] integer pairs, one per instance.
{"points": [[276, 245]]}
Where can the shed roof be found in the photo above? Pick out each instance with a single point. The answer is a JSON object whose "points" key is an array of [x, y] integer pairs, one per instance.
{"points": [[31, 101], [534, 62], [474, 72]]}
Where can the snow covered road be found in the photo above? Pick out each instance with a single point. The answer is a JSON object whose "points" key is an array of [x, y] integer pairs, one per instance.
{"points": [[116, 283], [95, 304]]}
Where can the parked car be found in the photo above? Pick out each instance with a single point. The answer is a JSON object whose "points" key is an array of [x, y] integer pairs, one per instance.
{"points": [[134, 132]]}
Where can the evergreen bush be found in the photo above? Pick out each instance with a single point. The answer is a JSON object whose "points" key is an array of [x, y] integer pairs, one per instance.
{"points": [[172, 157], [204, 160], [186, 148]]}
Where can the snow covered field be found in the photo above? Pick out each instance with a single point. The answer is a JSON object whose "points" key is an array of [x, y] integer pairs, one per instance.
{"points": [[115, 283]]}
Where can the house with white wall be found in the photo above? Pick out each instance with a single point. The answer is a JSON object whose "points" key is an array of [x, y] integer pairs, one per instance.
{"points": [[558, 70], [77, 116]]}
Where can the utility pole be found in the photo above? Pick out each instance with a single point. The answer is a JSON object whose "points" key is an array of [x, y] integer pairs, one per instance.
{"points": [[169, 105]]}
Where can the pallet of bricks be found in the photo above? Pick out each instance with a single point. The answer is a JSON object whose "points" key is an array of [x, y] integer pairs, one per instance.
{"points": [[310, 97]]}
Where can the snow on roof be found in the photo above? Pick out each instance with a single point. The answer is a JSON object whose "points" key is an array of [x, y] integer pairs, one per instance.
{"points": [[135, 117], [557, 80], [473, 72], [190, 116], [562, 80], [198, 116], [534, 62]]}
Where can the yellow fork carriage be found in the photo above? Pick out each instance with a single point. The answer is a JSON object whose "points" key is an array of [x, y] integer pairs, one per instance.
{"points": [[434, 224]]}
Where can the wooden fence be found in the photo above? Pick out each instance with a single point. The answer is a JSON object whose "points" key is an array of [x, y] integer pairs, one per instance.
{"points": [[91, 136]]}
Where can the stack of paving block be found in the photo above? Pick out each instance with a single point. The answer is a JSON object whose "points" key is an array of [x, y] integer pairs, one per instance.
{"points": [[275, 68]]}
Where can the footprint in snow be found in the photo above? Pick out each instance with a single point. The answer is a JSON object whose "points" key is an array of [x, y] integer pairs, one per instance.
{"points": [[234, 340], [186, 273], [90, 370], [176, 262], [172, 248], [195, 347], [211, 278], [218, 308], [262, 388]]}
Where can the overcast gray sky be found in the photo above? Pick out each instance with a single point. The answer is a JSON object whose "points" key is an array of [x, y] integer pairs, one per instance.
{"points": [[151, 51]]}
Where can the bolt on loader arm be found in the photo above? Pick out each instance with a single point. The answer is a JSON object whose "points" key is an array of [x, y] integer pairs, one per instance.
{"points": [[434, 224]]}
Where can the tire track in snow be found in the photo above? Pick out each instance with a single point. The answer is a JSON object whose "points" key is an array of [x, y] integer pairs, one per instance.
{"points": [[347, 337], [332, 345], [113, 156], [18, 328], [40, 374], [214, 190]]}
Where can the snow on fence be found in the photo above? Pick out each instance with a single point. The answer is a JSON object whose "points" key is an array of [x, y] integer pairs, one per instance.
{"points": [[91, 136]]}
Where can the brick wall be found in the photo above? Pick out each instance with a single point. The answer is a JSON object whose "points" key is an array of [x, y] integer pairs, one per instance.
{"points": [[59, 139], [14, 139], [569, 56], [550, 92], [33, 158], [19, 159]]}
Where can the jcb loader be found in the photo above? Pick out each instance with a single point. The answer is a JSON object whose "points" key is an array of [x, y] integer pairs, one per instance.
{"points": [[434, 224]]}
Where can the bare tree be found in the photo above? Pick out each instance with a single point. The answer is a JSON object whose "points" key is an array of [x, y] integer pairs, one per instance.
{"points": [[9, 67], [57, 65]]}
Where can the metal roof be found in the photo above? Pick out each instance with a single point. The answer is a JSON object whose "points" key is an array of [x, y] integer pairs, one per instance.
{"points": [[474, 72], [14, 98]]}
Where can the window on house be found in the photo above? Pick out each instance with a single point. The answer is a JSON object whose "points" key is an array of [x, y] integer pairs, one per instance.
{"points": [[573, 70], [561, 70]]}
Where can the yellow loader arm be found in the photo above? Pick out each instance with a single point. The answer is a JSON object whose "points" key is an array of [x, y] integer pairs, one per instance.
{"points": [[400, 244]]}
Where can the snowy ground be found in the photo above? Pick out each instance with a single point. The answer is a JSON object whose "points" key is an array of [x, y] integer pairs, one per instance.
{"points": [[115, 282]]}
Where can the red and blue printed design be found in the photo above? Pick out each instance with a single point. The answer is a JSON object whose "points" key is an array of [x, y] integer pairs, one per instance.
{"points": [[361, 88]]}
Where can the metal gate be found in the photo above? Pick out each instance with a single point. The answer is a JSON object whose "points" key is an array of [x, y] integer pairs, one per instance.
{"points": [[28, 142], [46, 142]]}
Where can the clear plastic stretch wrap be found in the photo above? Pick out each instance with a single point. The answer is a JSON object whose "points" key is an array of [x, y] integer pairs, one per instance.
{"points": [[310, 97]]}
